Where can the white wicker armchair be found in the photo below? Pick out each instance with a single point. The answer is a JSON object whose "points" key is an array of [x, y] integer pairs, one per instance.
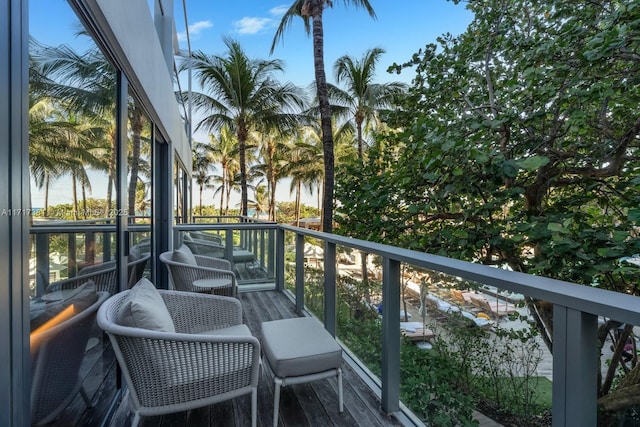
{"points": [[184, 274], [202, 363]]}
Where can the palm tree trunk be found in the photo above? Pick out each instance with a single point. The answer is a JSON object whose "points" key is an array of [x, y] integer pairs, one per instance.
{"points": [[74, 194], [225, 184], [112, 173], [242, 148], [226, 208], [272, 201], [222, 190], [84, 200], [364, 255], [359, 135], [201, 188], [136, 130], [325, 115], [46, 193]]}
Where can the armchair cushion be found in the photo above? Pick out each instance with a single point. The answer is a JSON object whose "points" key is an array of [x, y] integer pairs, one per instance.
{"points": [[145, 308], [184, 255]]}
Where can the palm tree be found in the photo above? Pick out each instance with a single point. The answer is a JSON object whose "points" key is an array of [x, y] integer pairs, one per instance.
{"points": [[202, 163], [243, 95], [224, 149], [275, 152], [362, 99], [305, 168], [313, 9], [261, 203], [47, 145]]}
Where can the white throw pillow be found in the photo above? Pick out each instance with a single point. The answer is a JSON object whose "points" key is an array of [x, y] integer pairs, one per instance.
{"points": [[184, 255], [146, 309]]}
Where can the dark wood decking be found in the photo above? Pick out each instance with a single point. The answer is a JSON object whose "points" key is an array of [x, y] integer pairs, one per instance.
{"points": [[311, 404]]}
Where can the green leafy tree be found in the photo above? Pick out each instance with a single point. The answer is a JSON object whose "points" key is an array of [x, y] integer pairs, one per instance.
{"points": [[311, 12], [242, 94], [520, 149]]}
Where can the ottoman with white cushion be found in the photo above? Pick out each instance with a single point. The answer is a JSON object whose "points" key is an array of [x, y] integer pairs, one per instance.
{"points": [[300, 350]]}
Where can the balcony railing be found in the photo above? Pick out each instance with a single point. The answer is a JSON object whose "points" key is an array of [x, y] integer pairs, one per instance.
{"points": [[576, 308]]}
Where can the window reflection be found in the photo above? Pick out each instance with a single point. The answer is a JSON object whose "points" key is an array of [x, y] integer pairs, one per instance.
{"points": [[72, 134], [139, 179]]}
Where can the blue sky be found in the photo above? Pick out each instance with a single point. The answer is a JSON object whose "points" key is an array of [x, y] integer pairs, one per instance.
{"points": [[401, 28]]}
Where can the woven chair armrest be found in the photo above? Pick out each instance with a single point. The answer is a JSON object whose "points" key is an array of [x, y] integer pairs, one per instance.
{"points": [[195, 313], [219, 263], [105, 281]]}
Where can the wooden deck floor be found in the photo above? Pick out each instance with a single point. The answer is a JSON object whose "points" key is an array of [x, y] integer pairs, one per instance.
{"points": [[312, 404]]}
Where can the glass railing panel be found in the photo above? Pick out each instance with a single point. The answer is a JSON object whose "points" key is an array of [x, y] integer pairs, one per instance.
{"points": [[469, 347], [359, 299]]}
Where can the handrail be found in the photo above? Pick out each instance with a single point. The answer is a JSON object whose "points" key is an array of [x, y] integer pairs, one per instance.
{"points": [[625, 308]]}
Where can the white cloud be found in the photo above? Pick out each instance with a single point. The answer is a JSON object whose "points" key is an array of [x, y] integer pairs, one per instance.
{"points": [[279, 10], [251, 25], [195, 29]]}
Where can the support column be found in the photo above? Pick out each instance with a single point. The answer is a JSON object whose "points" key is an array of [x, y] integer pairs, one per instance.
{"points": [[575, 367], [280, 259], [390, 335], [299, 272]]}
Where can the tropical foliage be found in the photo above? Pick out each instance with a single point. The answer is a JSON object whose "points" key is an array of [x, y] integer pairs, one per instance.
{"points": [[517, 147]]}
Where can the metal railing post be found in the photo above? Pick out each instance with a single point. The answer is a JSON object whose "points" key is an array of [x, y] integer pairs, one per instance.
{"points": [[575, 367], [72, 255], [330, 294], [390, 335], [89, 247], [228, 246], [280, 259], [299, 272], [271, 256], [42, 262]]}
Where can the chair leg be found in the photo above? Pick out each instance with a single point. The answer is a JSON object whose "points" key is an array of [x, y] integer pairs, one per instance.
{"points": [[136, 420], [276, 400], [254, 406], [340, 398]]}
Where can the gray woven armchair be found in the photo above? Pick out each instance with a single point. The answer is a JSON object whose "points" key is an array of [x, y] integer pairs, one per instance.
{"points": [[185, 268], [210, 358], [57, 352]]}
